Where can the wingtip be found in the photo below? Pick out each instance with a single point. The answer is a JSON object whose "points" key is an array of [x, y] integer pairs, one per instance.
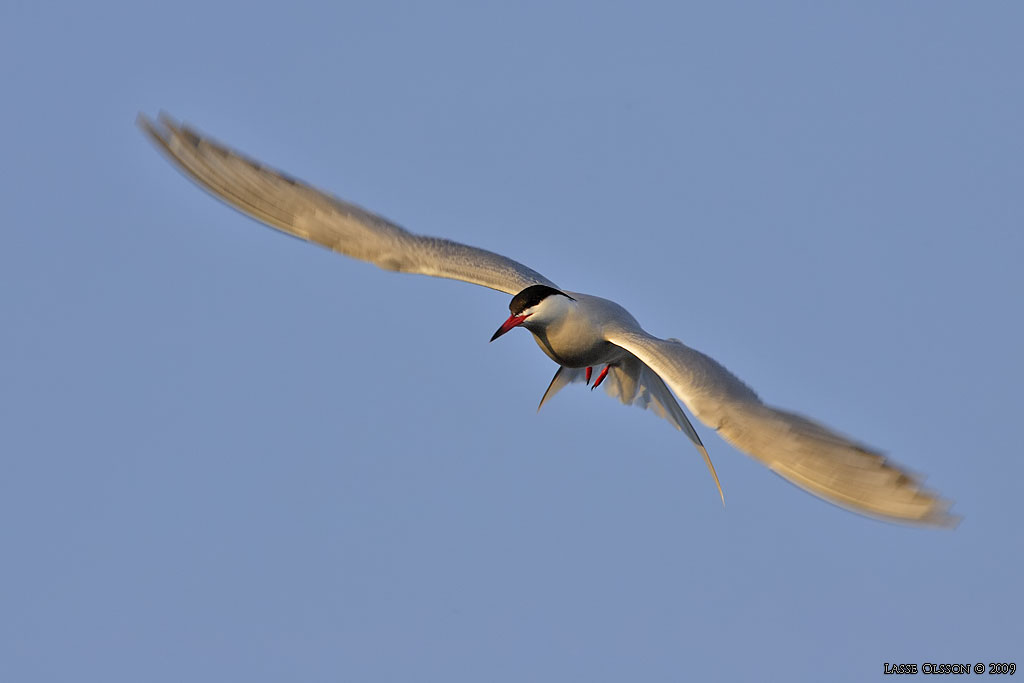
{"points": [[159, 132], [934, 510], [714, 474], [161, 129], [941, 517], [146, 125]]}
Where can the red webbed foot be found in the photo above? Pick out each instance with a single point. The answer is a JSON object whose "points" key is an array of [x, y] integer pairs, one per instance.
{"points": [[600, 377]]}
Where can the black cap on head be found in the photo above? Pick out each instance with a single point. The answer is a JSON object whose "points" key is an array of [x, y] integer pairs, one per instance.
{"points": [[531, 296]]}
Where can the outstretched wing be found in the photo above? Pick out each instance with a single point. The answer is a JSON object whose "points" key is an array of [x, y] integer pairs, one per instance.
{"points": [[804, 452], [307, 213]]}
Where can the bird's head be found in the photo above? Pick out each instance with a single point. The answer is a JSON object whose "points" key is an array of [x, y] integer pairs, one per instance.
{"points": [[535, 306]]}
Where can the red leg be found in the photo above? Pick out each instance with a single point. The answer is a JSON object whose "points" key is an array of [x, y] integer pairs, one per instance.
{"points": [[600, 378], [589, 370]]}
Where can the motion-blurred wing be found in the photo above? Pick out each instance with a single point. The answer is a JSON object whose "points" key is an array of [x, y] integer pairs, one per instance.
{"points": [[307, 213], [809, 455]]}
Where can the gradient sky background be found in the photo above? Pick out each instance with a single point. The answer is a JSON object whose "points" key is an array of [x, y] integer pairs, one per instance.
{"points": [[229, 455]]}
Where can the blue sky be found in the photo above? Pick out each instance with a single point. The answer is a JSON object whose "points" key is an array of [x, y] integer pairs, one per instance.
{"points": [[229, 455]]}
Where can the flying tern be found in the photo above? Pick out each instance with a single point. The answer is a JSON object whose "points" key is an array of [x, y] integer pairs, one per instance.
{"points": [[579, 332]]}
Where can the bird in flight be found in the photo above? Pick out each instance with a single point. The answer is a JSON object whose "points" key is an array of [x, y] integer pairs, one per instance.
{"points": [[583, 334]]}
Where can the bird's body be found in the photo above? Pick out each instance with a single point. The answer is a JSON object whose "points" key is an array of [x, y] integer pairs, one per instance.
{"points": [[574, 335], [577, 331]]}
